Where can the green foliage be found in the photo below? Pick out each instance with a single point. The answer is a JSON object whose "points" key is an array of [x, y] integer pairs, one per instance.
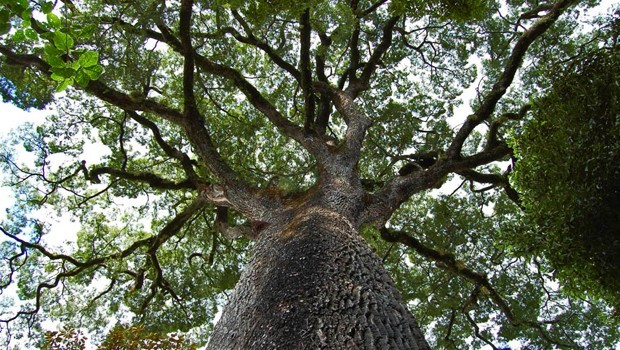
{"points": [[568, 171], [461, 10], [69, 64], [120, 337], [65, 339]]}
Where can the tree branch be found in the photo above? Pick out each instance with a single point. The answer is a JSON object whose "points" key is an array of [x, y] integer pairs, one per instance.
{"points": [[185, 20], [372, 8], [487, 107], [170, 151], [99, 89], [325, 107], [357, 122], [450, 263], [251, 93], [305, 30], [149, 178], [252, 40], [493, 137], [153, 243], [363, 82], [177, 223], [495, 180]]}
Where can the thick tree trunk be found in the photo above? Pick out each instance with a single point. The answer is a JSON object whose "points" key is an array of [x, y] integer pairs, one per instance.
{"points": [[314, 283]]}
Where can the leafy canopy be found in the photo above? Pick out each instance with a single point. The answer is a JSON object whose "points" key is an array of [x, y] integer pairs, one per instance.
{"points": [[568, 171], [173, 121]]}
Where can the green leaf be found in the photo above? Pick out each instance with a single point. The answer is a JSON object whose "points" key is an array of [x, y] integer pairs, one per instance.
{"points": [[51, 50], [53, 21], [60, 74], [19, 36], [26, 16], [88, 59], [63, 41], [82, 78], [94, 72], [56, 61], [64, 84], [87, 31], [47, 7], [31, 34], [5, 25]]}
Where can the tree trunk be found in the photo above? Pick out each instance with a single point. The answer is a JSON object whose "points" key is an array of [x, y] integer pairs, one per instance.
{"points": [[314, 283]]}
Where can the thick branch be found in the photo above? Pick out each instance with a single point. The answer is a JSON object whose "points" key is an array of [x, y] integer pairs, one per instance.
{"points": [[149, 178], [363, 82], [126, 102], [325, 107], [170, 151], [185, 19], [400, 188], [487, 107], [357, 122], [306, 73], [228, 231]]}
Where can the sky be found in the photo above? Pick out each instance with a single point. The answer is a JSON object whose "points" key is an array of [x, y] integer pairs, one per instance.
{"points": [[12, 117]]}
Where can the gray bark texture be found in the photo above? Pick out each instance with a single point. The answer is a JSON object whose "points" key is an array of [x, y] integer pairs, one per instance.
{"points": [[314, 283]]}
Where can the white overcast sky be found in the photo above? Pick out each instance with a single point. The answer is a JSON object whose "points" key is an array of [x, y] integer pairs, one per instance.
{"points": [[10, 118]]}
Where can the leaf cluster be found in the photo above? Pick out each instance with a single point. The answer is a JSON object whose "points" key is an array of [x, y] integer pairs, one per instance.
{"points": [[120, 337], [568, 172]]}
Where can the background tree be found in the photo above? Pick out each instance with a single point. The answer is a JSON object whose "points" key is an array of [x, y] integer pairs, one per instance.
{"points": [[568, 170], [313, 133]]}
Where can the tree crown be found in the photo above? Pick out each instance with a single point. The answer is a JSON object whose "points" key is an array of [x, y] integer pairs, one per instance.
{"points": [[214, 119]]}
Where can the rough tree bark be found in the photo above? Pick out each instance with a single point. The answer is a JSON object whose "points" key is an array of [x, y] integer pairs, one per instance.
{"points": [[314, 283]]}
